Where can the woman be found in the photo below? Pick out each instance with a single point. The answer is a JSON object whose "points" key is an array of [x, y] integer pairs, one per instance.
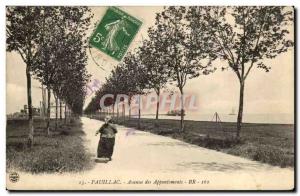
{"points": [[107, 139]]}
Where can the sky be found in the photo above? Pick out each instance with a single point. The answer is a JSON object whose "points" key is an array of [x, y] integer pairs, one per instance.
{"points": [[265, 93]]}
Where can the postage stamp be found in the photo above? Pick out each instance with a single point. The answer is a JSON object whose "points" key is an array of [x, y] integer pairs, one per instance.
{"points": [[115, 32]]}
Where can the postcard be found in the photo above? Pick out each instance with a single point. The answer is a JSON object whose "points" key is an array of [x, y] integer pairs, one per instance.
{"points": [[157, 98]]}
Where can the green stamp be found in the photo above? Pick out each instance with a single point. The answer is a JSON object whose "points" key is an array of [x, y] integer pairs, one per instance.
{"points": [[115, 32]]}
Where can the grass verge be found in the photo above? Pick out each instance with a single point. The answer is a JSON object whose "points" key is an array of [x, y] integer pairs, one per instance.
{"points": [[63, 151], [267, 143]]}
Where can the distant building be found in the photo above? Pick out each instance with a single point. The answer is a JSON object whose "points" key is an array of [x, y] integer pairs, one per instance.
{"points": [[37, 112]]}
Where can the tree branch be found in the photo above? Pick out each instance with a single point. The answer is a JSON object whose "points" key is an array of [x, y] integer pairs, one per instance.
{"points": [[255, 48]]}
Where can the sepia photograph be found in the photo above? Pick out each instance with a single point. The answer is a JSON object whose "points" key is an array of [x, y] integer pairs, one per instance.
{"points": [[156, 98]]}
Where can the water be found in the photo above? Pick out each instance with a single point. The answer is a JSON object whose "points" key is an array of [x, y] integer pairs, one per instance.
{"points": [[247, 118]]}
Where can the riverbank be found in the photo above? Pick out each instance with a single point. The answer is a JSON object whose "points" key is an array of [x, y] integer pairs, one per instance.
{"points": [[267, 143], [281, 118]]}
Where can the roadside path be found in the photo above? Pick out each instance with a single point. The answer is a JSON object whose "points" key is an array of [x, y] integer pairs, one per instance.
{"points": [[141, 156]]}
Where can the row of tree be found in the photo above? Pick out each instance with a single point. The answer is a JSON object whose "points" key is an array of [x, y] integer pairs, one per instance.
{"points": [[187, 42], [127, 78], [52, 43]]}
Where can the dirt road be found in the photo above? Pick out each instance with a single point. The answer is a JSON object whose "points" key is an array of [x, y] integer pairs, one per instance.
{"points": [[143, 160]]}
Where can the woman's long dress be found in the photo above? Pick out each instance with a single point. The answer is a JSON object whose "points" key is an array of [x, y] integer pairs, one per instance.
{"points": [[107, 141], [105, 147]]}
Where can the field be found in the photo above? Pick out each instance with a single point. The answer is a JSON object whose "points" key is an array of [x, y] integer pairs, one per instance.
{"points": [[267, 143], [63, 151]]}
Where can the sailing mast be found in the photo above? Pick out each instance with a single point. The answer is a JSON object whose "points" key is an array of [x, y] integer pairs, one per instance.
{"points": [[232, 112]]}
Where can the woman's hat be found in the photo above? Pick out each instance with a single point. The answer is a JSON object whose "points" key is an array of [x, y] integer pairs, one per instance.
{"points": [[107, 118]]}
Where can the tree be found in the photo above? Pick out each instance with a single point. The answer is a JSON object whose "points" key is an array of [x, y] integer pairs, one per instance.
{"points": [[112, 87], [125, 78], [22, 29], [182, 56], [151, 56], [72, 69], [256, 33], [61, 54], [135, 77], [47, 63]]}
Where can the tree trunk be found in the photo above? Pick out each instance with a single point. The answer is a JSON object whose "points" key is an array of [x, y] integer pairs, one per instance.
{"points": [[123, 111], [56, 112], [29, 103], [157, 107], [129, 110], [65, 113], [139, 121], [182, 110], [241, 107], [70, 112], [117, 113], [113, 110], [60, 111], [43, 102], [48, 111]]}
